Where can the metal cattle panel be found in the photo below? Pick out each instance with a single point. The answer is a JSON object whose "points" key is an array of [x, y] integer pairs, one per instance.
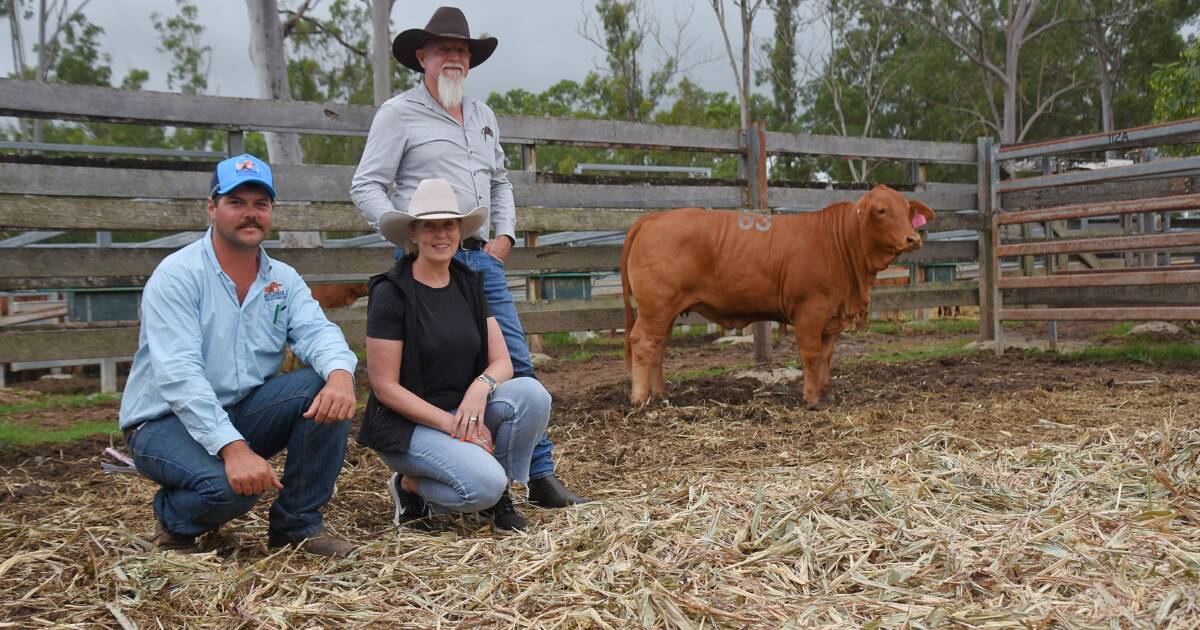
{"points": [[1148, 286]]}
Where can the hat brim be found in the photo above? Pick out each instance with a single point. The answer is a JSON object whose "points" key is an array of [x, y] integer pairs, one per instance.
{"points": [[393, 225], [406, 44]]}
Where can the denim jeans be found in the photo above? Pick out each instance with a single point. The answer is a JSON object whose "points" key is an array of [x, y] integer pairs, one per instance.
{"points": [[195, 496], [500, 302], [461, 476]]}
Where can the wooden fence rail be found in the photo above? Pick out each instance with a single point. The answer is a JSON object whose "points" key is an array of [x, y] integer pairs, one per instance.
{"points": [[316, 198]]}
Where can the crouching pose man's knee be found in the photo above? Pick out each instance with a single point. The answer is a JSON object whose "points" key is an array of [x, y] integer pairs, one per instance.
{"points": [[444, 412], [203, 406]]}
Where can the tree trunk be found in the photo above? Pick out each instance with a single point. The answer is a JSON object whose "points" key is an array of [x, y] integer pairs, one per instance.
{"points": [[1008, 131], [43, 62], [747, 24], [1104, 74], [381, 50], [270, 70]]}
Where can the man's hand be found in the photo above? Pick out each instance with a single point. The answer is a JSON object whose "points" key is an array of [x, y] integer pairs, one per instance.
{"points": [[335, 401], [248, 473], [499, 247]]}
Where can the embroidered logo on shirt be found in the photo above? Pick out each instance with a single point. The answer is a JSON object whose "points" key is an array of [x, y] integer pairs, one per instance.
{"points": [[274, 291]]}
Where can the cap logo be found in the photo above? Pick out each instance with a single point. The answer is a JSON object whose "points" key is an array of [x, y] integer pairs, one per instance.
{"points": [[246, 167]]}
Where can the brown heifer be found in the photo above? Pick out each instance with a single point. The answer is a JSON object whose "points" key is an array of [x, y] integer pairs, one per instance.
{"points": [[337, 295], [813, 270]]}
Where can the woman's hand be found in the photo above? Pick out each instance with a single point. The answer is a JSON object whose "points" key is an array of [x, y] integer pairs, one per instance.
{"points": [[468, 420]]}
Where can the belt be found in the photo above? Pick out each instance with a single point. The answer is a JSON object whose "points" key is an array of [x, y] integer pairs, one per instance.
{"points": [[472, 244], [131, 431]]}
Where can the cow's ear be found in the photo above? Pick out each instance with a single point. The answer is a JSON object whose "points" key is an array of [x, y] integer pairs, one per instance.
{"points": [[916, 207]]}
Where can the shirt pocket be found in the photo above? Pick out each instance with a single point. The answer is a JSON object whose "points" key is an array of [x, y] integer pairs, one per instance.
{"points": [[273, 325]]}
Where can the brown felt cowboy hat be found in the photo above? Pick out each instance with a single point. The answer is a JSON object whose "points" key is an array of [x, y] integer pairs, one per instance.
{"points": [[449, 23]]}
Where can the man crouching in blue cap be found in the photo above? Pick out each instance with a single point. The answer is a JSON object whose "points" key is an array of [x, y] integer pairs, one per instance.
{"points": [[203, 407]]}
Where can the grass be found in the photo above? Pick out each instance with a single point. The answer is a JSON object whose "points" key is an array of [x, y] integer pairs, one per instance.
{"points": [[687, 375], [59, 401], [580, 355], [689, 330], [1153, 352], [20, 434], [953, 326], [12, 433], [905, 356], [565, 339]]}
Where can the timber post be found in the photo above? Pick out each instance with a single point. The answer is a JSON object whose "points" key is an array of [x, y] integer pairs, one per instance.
{"points": [[755, 170]]}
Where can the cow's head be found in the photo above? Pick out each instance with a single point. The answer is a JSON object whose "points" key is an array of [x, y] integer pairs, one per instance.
{"points": [[890, 222]]}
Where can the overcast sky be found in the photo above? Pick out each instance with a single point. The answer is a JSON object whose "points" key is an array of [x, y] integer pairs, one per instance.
{"points": [[539, 40]]}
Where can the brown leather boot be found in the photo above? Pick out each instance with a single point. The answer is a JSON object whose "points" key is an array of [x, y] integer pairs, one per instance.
{"points": [[164, 539], [321, 543]]}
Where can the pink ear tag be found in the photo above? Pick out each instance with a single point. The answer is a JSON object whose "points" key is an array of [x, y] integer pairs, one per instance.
{"points": [[919, 220]]}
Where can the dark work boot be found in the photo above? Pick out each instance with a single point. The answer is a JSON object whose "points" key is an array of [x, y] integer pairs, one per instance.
{"points": [[549, 492], [505, 517]]}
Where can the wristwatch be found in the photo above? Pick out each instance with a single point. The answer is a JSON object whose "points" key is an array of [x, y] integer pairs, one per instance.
{"points": [[491, 382]]}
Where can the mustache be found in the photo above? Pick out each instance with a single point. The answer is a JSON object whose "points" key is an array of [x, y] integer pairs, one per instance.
{"points": [[250, 222]]}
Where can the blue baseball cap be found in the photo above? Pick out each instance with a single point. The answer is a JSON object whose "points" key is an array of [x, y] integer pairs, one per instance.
{"points": [[241, 169]]}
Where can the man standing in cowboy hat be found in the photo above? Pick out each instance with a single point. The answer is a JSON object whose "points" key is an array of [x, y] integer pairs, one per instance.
{"points": [[435, 131]]}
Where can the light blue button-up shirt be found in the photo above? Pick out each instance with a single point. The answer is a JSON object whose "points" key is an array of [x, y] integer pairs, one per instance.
{"points": [[413, 138], [199, 351]]}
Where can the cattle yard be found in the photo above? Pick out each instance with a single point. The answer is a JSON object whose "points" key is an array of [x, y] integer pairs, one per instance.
{"points": [[959, 489], [947, 486]]}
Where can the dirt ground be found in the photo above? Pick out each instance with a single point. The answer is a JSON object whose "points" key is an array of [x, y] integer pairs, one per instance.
{"points": [[71, 526], [590, 386]]}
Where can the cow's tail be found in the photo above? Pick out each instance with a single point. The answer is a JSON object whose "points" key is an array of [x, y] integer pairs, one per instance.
{"points": [[627, 290]]}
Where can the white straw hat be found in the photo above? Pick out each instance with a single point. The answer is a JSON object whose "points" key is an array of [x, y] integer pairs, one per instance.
{"points": [[434, 199]]}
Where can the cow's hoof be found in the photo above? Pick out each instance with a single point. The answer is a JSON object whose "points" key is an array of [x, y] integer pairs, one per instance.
{"points": [[820, 405]]}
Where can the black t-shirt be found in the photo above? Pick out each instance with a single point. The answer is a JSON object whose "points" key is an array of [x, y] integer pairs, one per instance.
{"points": [[448, 333]]}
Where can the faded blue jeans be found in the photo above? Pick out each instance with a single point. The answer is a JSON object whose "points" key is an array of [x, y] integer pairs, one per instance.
{"points": [[461, 476], [195, 496], [500, 303]]}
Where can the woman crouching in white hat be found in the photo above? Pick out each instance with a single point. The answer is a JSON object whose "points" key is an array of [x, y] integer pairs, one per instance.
{"points": [[444, 413]]}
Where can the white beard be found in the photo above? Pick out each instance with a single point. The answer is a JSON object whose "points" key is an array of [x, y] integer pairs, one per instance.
{"points": [[450, 90]]}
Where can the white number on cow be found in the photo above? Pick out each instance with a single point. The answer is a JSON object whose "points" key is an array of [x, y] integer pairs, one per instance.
{"points": [[760, 222]]}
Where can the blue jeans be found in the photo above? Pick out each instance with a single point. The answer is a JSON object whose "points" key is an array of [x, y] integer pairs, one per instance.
{"points": [[462, 477], [500, 302], [195, 496]]}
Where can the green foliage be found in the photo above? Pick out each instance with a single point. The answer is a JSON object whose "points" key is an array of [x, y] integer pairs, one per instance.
{"points": [[1174, 86], [628, 93], [329, 61], [692, 106], [79, 60], [780, 72], [180, 37]]}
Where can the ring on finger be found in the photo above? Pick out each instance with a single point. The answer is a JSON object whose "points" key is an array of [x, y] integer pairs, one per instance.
{"points": [[473, 418]]}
